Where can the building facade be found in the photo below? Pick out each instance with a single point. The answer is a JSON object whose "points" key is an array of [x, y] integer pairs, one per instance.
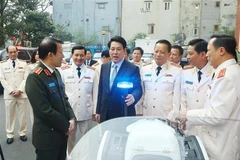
{"points": [[159, 19], [92, 17], [202, 18]]}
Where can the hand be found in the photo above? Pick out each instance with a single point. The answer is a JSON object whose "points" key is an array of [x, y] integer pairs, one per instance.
{"points": [[182, 118], [16, 93], [129, 99], [97, 118], [94, 117], [182, 127], [71, 127]]}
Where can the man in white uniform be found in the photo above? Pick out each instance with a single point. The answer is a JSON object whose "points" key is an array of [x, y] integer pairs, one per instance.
{"points": [[80, 80], [220, 118], [137, 54], [161, 81], [13, 74], [195, 79]]}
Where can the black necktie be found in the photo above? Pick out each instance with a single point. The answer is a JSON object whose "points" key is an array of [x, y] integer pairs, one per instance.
{"points": [[213, 75], [199, 76], [78, 70], [158, 70], [13, 64]]}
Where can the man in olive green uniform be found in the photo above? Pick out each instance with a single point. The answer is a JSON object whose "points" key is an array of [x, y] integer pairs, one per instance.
{"points": [[53, 116]]}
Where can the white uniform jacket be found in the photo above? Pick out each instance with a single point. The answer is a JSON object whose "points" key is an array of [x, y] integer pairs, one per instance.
{"points": [[80, 91], [193, 93], [162, 92], [13, 78], [220, 118]]}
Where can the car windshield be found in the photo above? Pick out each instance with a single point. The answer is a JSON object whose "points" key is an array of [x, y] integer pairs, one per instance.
{"points": [[97, 56]]}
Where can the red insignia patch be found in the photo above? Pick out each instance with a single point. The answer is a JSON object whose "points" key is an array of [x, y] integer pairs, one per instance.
{"points": [[38, 70], [168, 75], [221, 73], [87, 77], [20, 67], [47, 72]]}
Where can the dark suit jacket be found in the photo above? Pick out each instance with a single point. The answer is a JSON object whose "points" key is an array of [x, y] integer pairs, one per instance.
{"points": [[51, 108], [92, 62], [110, 102]]}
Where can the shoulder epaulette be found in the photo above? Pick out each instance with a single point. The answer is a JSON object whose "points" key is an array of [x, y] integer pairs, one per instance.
{"points": [[176, 65], [22, 60], [3, 61], [91, 68], [147, 63], [65, 67], [221, 73], [188, 67], [95, 64], [38, 70]]}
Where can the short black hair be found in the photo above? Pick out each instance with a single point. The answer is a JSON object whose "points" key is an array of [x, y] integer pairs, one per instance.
{"points": [[200, 45], [89, 50], [118, 39], [48, 44], [105, 54], [79, 48], [12, 46], [138, 48], [226, 41], [164, 41], [180, 49], [128, 51]]}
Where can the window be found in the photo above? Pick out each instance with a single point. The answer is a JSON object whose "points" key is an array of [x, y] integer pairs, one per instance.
{"points": [[67, 6], [150, 28], [147, 6], [101, 6], [217, 4], [167, 5], [195, 31], [216, 27]]}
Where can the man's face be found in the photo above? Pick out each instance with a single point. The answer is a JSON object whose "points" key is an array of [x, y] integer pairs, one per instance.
{"points": [[213, 54], [117, 52], [78, 57], [137, 55], [193, 57], [57, 58], [88, 55], [175, 56], [161, 53], [12, 52]]}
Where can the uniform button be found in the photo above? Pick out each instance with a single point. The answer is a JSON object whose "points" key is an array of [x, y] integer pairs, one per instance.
{"points": [[198, 90], [79, 96], [197, 100], [52, 129], [154, 98], [155, 89], [153, 106]]}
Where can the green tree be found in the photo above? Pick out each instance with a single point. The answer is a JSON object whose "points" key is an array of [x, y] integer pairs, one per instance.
{"points": [[131, 42], [3, 5], [37, 26], [82, 40], [62, 34]]}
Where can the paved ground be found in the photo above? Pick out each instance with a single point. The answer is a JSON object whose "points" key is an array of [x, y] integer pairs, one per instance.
{"points": [[18, 150]]}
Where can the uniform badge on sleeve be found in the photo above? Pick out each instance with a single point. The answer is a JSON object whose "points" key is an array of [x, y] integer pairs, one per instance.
{"points": [[221, 73]]}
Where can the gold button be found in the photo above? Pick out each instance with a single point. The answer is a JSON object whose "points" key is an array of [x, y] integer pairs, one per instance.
{"points": [[197, 100], [153, 106]]}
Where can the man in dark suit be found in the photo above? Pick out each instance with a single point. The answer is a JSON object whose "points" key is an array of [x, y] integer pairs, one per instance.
{"points": [[110, 100], [89, 61], [54, 119]]}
